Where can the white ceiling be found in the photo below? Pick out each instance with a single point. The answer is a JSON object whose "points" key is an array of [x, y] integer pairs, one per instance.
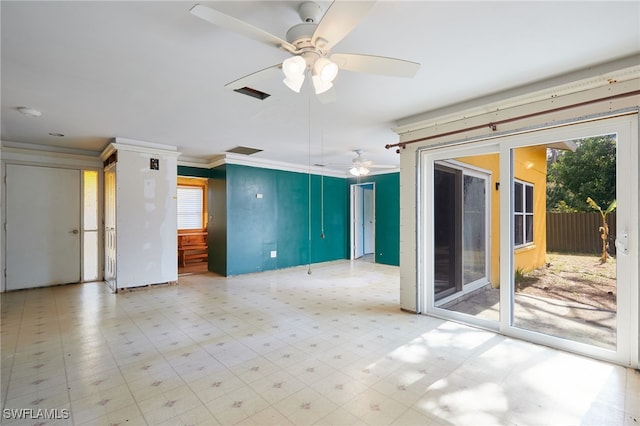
{"points": [[150, 71]]}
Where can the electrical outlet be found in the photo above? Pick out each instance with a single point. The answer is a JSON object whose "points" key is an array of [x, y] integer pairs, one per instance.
{"points": [[274, 254]]}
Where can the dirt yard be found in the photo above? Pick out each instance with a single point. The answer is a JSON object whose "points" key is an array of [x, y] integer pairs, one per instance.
{"points": [[573, 278]]}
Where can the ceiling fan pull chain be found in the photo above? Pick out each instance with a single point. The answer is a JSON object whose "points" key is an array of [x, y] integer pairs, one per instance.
{"points": [[322, 173], [309, 173]]}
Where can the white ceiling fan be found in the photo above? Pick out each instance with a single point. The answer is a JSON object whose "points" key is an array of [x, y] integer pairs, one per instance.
{"points": [[362, 167], [310, 45]]}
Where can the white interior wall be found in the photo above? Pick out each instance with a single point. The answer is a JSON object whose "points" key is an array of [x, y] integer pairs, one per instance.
{"points": [[146, 217]]}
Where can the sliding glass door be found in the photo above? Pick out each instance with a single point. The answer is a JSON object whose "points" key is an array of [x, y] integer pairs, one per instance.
{"points": [[459, 191], [536, 235], [573, 281]]}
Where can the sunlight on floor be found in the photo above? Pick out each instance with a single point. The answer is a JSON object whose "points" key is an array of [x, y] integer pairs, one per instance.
{"points": [[285, 347]]}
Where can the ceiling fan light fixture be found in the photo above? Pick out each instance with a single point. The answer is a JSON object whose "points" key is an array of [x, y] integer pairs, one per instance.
{"points": [[359, 171], [325, 69], [294, 66], [294, 82], [320, 85]]}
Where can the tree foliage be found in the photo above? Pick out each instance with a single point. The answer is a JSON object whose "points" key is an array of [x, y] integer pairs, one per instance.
{"points": [[589, 172]]}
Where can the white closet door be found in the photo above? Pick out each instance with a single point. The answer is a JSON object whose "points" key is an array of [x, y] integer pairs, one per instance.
{"points": [[43, 226]]}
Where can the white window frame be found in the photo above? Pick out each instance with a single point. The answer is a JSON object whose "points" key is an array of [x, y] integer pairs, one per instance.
{"points": [[524, 214]]}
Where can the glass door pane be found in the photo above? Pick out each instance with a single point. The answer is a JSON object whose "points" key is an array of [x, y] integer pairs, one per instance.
{"points": [[474, 246], [90, 265], [460, 218], [445, 232], [564, 257]]}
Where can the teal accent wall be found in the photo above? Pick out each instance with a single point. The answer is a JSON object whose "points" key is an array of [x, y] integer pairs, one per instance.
{"points": [[387, 200], [279, 221], [217, 224], [187, 171], [244, 229]]}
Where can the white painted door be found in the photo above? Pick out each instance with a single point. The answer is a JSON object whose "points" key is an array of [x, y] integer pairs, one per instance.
{"points": [[368, 220], [43, 226]]}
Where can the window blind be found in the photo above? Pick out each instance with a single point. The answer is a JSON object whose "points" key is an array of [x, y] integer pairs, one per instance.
{"points": [[190, 203]]}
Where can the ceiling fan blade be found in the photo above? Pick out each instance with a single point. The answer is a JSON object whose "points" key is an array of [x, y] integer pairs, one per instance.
{"points": [[240, 27], [340, 18], [383, 166], [249, 80], [375, 64], [364, 163]]}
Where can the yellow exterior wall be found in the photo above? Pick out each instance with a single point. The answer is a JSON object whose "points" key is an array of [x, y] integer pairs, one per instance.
{"points": [[530, 165], [491, 163]]}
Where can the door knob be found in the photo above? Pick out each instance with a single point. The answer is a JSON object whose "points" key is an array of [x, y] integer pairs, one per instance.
{"points": [[75, 231]]}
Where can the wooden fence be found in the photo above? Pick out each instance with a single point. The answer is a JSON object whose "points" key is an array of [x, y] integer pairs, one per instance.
{"points": [[578, 232]]}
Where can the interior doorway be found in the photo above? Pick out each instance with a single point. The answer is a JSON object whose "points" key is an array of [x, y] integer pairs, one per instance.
{"points": [[363, 221]]}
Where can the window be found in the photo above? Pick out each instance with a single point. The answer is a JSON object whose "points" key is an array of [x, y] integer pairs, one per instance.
{"points": [[522, 213], [90, 221], [190, 207]]}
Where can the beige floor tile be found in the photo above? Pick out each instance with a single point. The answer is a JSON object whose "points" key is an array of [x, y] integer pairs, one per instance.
{"points": [[129, 415], [285, 347], [305, 407], [168, 405], [267, 417], [237, 405]]}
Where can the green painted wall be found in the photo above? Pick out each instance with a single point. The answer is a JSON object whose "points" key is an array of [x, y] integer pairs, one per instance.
{"points": [[244, 229], [387, 232], [187, 171], [279, 221], [217, 223]]}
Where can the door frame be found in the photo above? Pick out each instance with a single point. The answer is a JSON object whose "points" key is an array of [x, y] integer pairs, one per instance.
{"points": [[357, 189], [628, 293], [444, 155], [628, 318]]}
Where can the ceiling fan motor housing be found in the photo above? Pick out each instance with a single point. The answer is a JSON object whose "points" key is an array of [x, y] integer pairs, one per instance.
{"points": [[300, 35]]}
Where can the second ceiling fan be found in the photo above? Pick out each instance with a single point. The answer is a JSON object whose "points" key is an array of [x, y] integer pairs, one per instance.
{"points": [[310, 44]]}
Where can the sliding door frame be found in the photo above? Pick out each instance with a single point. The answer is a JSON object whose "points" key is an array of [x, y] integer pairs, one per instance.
{"points": [[627, 350], [628, 296]]}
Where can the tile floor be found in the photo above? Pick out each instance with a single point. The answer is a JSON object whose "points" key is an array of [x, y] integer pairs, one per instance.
{"points": [[284, 347]]}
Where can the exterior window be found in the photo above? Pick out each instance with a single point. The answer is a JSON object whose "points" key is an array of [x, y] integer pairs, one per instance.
{"points": [[522, 213], [190, 207]]}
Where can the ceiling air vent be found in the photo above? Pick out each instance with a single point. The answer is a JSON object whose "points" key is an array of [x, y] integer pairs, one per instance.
{"points": [[253, 93], [245, 150]]}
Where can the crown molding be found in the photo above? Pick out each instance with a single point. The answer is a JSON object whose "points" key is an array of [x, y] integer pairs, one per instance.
{"points": [[31, 153], [120, 144], [262, 163], [600, 75]]}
